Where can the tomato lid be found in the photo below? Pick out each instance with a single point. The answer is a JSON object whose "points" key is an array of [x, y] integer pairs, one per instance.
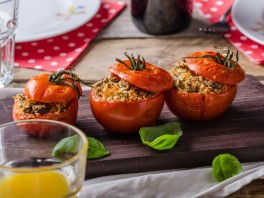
{"points": [[150, 78], [209, 68], [40, 89]]}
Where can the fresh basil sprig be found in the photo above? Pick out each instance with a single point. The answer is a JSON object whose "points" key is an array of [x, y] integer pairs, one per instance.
{"points": [[226, 166], [161, 137], [96, 149], [69, 146]]}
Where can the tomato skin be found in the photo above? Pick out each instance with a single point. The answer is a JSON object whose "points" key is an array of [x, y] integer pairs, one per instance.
{"points": [[40, 129], [40, 89], [209, 69], [126, 117], [199, 107], [152, 78], [69, 116]]}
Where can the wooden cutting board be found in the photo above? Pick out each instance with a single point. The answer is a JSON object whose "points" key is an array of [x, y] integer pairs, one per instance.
{"points": [[240, 131]]}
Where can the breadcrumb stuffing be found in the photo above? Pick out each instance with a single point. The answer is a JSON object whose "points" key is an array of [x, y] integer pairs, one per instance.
{"points": [[27, 106], [186, 80], [112, 88]]}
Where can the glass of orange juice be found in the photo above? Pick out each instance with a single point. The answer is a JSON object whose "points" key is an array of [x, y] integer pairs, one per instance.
{"points": [[28, 167]]}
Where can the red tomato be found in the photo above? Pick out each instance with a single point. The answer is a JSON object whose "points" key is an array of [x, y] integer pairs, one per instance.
{"points": [[39, 89], [210, 69], [39, 129], [152, 78], [128, 116], [69, 116], [196, 106]]}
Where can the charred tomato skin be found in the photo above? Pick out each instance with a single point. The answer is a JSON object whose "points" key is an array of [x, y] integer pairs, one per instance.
{"points": [[126, 117]]}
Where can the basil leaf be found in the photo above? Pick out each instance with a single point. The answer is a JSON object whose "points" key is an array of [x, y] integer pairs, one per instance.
{"points": [[161, 137], [65, 147], [69, 146], [96, 149], [226, 166]]}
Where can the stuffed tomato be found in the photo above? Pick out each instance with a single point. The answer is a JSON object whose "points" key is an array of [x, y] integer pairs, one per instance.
{"points": [[49, 96], [131, 97], [205, 85]]}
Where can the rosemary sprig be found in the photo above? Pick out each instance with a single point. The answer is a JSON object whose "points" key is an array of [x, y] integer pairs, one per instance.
{"points": [[225, 60], [136, 64], [71, 80]]}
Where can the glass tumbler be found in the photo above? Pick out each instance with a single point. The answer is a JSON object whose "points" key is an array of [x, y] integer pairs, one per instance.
{"points": [[28, 168], [8, 25]]}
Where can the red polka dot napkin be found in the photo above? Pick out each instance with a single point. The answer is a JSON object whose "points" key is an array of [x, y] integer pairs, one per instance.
{"points": [[60, 52], [213, 10]]}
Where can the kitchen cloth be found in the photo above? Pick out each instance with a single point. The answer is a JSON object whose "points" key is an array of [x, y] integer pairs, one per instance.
{"points": [[59, 52], [213, 10], [196, 183]]}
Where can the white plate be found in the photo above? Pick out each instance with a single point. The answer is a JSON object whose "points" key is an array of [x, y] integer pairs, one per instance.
{"points": [[248, 16], [39, 19]]}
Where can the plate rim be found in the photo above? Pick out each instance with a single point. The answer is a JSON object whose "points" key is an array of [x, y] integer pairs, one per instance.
{"points": [[46, 35], [240, 27]]}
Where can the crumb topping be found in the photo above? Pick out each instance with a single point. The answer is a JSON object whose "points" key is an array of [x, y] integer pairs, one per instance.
{"points": [[112, 88], [186, 80], [32, 107]]}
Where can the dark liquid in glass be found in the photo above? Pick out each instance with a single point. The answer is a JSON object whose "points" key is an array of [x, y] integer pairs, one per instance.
{"points": [[159, 17], [33, 162]]}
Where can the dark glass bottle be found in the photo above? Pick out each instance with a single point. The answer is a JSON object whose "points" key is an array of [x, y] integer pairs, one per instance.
{"points": [[160, 17]]}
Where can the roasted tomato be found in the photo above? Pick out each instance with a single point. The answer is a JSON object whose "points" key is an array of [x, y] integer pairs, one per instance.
{"points": [[49, 96], [131, 97], [205, 85]]}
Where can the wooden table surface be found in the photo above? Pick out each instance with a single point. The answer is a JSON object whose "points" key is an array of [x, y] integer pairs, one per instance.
{"points": [[122, 36]]}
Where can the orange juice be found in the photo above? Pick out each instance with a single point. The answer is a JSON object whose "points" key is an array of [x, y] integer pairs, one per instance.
{"points": [[34, 185]]}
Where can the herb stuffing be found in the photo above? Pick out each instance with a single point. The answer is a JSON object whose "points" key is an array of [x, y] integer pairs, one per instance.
{"points": [[186, 80], [32, 107], [112, 88]]}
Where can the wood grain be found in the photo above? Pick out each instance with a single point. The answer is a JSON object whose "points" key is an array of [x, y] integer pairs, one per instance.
{"points": [[240, 131]]}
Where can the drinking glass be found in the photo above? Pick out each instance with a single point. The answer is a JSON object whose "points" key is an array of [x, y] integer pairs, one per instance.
{"points": [[27, 167], [160, 17], [8, 25]]}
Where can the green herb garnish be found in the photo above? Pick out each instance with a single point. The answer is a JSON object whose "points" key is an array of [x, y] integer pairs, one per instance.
{"points": [[66, 147], [96, 149], [136, 64], [225, 60], [226, 166], [161, 137], [69, 146], [71, 80]]}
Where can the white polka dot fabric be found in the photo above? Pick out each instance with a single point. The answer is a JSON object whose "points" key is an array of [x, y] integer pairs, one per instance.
{"points": [[60, 52], [213, 10]]}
